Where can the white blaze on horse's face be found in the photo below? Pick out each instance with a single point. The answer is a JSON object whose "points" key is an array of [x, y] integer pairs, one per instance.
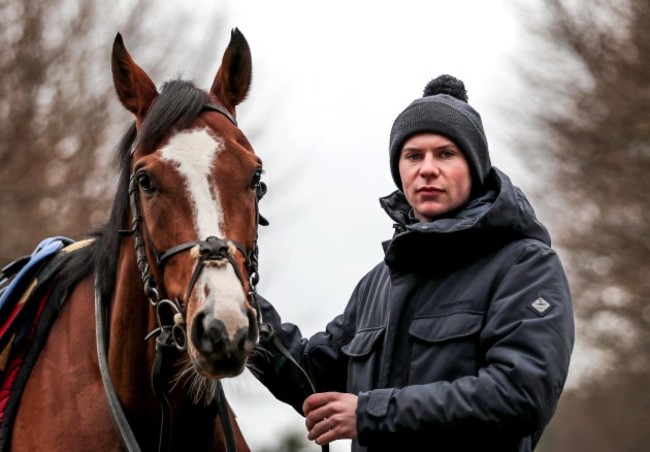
{"points": [[218, 289]]}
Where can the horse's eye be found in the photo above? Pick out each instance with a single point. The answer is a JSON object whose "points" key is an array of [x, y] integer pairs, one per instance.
{"points": [[145, 182], [257, 177]]}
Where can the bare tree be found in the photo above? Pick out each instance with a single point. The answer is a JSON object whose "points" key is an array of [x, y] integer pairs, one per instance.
{"points": [[59, 117], [588, 86]]}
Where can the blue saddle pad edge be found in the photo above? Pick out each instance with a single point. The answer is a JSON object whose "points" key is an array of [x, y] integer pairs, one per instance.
{"points": [[46, 249]]}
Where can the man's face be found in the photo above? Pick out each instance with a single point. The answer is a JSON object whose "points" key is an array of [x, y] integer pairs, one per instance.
{"points": [[435, 175]]}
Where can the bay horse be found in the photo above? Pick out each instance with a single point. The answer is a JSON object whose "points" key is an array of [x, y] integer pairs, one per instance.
{"points": [[176, 262]]}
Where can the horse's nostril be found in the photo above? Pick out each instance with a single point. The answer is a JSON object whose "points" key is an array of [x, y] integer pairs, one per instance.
{"points": [[241, 337], [208, 333]]}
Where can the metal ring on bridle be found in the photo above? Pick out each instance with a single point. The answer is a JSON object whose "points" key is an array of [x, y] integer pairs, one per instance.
{"points": [[178, 334], [151, 291]]}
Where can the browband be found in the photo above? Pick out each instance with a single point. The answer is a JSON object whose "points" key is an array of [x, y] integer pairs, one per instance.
{"points": [[218, 108]]}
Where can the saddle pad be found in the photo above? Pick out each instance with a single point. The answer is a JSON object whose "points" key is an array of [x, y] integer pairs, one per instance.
{"points": [[19, 272], [20, 279]]}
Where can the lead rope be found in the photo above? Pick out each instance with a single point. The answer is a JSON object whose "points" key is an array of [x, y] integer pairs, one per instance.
{"points": [[267, 330], [224, 414], [159, 367]]}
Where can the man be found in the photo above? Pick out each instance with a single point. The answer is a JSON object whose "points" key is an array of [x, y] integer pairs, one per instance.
{"points": [[461, 338]]}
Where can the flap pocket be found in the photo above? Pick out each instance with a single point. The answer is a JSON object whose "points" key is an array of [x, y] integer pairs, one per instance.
{"points": [[444, 328], [363, 342]]}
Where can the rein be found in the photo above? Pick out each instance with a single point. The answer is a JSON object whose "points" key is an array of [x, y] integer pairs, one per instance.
{"points": [[267, 330], [173, 337]]}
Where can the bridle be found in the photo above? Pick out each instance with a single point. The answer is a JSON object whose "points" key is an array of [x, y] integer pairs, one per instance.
{"points": [[172, 336]]}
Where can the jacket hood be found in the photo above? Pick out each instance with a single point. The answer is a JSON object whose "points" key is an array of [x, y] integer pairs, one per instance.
{"points": [[500, 213]]}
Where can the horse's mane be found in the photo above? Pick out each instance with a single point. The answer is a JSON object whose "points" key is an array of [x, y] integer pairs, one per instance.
{"points": [[176, 108]]}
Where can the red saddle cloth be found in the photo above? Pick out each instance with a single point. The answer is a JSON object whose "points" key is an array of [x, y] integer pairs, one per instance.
{"points": [[30, 301], [16, 336]]}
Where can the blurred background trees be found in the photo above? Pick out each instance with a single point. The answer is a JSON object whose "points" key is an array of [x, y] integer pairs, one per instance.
{"points": [[587, 78], [58, 129]]}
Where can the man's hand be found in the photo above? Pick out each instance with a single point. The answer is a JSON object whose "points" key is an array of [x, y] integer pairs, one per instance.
{"points": [[330, 416]]}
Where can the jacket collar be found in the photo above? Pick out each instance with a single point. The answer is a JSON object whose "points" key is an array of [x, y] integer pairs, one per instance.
{"points": [[499, 213]]}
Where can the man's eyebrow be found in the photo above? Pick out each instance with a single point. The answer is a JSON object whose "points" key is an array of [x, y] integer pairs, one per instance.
{"points": [[449, 145]]}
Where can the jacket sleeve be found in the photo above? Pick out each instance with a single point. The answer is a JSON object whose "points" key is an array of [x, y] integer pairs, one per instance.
{"points": [[319, 357], [524, 352]]}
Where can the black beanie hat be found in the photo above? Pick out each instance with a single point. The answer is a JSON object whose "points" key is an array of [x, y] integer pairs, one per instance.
{"points": [[443, 109]]}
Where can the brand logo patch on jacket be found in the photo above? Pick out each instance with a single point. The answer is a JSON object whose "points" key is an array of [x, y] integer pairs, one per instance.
{"points": [[540, 306]]}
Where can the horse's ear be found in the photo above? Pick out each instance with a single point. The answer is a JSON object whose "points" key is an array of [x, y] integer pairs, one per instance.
{"points": [[134, 87], [233, 78]]}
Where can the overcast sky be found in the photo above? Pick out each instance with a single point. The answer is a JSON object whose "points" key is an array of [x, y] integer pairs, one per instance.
{"points": [[329, 79]]}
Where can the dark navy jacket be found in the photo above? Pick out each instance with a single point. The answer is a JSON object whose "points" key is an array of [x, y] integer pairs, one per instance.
{"points": [[460, 340]]}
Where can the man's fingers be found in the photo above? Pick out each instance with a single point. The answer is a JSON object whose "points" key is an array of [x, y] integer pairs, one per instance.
{"points": [[322, 431], [316, 400]]}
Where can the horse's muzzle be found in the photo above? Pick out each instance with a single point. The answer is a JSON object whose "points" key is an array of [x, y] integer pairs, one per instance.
{"points": [[220, 353]]}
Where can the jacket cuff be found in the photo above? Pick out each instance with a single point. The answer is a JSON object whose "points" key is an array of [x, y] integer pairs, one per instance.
{"points": [[372, 408], [378, 402]]}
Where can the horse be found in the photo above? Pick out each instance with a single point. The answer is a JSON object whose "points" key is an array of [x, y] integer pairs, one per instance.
{"points": [[175, 263]]}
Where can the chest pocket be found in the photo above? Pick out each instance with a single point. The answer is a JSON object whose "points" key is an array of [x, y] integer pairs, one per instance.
{"points": [[444, 347], [363, 343], [364, 353]]}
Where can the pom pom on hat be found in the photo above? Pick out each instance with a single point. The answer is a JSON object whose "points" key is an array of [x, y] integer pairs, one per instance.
{"points": [[446, 84], [443, 109]]}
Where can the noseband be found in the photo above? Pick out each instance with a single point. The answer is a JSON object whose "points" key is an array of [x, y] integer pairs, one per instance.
{"points": [[210, 251]]}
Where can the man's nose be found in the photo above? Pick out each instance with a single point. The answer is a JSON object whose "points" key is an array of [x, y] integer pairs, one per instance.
{"points": [[429, 166]]}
